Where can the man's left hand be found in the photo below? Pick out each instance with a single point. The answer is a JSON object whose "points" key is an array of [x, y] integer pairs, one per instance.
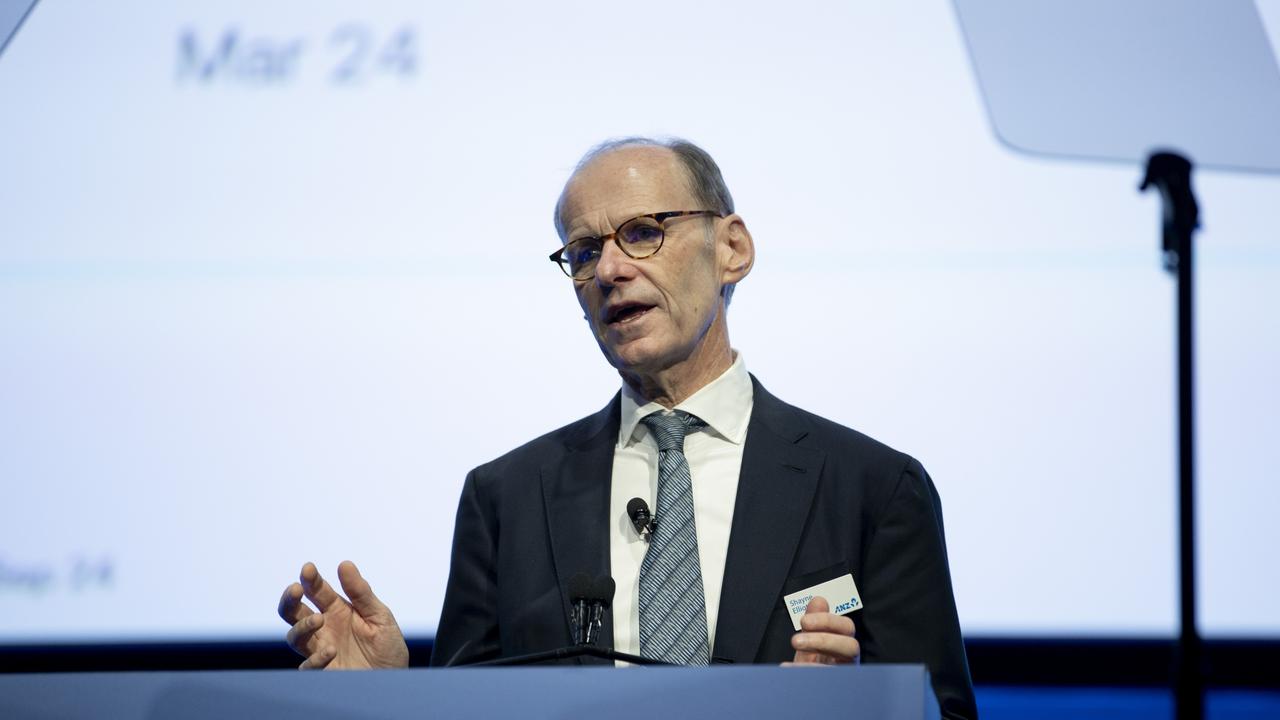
{"points": [[824, 638]]}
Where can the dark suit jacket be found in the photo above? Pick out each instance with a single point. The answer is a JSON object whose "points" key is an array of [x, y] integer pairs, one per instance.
{"points": [[815, 500]]}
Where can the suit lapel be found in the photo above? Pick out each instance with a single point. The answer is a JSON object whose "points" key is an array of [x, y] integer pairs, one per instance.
{"points": [[775, 491], [575, 491]]}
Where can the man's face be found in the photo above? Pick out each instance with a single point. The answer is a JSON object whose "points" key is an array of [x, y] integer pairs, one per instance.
{"points": [[652, 313]]}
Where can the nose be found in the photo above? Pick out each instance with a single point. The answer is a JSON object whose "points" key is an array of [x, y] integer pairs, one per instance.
{"points": [[614, 266]]}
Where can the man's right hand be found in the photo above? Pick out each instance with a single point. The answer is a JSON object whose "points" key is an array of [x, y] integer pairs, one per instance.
{"points": [[343, 635]]}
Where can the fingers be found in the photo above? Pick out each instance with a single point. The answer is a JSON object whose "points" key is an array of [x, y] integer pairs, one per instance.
{"points": [[818, 618], [318, 660], [291, 607], [317, 590], [366, 604], [826, 622], [824, 638], [826, 648], [301, 637]]}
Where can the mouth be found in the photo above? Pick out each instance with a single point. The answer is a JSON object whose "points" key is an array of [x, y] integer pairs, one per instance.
{"points": [[627, 312]]}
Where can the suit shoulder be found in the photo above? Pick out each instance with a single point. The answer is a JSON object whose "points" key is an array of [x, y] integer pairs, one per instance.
{"points": [[861, 464], [853, 459], [545, 448], [847, 444]]}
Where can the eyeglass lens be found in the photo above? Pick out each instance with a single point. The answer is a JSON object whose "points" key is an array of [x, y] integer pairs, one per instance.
{"points": [[639, 238]]}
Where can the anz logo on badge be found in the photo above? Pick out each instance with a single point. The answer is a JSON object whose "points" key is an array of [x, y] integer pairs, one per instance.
{"points": [[846, 606]]}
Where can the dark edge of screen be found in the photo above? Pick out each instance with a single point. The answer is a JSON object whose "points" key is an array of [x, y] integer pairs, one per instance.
{"points": [[8, 34], [1023, 661]]}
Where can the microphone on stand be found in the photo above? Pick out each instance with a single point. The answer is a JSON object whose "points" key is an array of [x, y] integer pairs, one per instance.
{"points": [[589, 602], [580, 592], [601, 597]]}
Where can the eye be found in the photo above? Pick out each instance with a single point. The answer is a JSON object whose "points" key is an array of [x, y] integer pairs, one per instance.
{"points": [[582, 252], [642, 231]]}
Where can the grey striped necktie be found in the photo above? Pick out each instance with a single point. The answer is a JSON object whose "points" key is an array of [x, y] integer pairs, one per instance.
{"points": [[673, 612]]}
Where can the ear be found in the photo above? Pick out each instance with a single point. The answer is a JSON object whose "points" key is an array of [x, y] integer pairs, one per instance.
{"points": [[735, 250]]}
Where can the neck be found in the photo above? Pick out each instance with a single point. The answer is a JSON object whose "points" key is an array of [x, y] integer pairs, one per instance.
{"points": [[673, 384]]}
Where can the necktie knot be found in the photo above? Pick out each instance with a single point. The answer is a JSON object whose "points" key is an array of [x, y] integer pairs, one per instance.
{"points": [[669, 429]]}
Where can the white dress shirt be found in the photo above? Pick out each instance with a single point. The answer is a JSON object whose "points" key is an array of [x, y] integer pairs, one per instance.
{"points": [[714, 454]]}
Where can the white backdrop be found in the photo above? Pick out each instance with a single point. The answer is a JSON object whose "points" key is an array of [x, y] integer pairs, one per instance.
{"points": [[273, 274]]}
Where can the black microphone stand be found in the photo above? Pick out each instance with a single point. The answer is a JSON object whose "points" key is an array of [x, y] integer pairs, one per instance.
{"points": [[1170, 174]]}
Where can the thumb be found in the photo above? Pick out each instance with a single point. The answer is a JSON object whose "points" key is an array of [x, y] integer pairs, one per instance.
{"points": [[366, 604], [817, 605]]}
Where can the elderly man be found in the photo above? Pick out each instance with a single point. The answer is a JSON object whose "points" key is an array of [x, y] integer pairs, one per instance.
{"points": [[756, 501]]}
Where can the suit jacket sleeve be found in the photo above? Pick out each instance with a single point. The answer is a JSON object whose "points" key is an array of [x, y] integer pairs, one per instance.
{"points": [[914, 618], [468, 630]]}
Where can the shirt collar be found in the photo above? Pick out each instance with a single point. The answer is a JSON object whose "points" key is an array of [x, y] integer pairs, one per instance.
{"points": [[724, 404]]}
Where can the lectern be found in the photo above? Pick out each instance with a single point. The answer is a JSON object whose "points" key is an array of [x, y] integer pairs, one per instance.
{"points": [[879, 692]]}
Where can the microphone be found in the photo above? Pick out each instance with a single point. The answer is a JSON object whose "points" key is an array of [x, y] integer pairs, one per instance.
{"points": [[589, 602], [580, 592], [602, 591], [643, 520]]}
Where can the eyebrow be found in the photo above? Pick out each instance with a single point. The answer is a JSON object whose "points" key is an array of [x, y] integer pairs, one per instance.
{"points": [[629, 215], [575, 237]]}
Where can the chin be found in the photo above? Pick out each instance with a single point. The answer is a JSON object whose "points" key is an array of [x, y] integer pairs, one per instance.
{"points": [[647, 350], [641, 356]]}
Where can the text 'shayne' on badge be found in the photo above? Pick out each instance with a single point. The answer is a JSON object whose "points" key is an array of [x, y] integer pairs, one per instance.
{"points": [[841, 594]]}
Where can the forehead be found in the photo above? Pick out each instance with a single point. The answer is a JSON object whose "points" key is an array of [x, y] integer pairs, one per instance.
{"points": [[628, 181]]}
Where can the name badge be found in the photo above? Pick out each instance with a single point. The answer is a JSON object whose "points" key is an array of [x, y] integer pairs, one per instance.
{"points": [[841, 595]]}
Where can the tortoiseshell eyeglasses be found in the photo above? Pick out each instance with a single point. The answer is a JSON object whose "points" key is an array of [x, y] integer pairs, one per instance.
{"points": [[640, 237]]}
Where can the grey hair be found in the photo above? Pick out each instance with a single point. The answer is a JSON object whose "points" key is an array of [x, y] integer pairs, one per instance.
{"points": [[705, 181]]}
